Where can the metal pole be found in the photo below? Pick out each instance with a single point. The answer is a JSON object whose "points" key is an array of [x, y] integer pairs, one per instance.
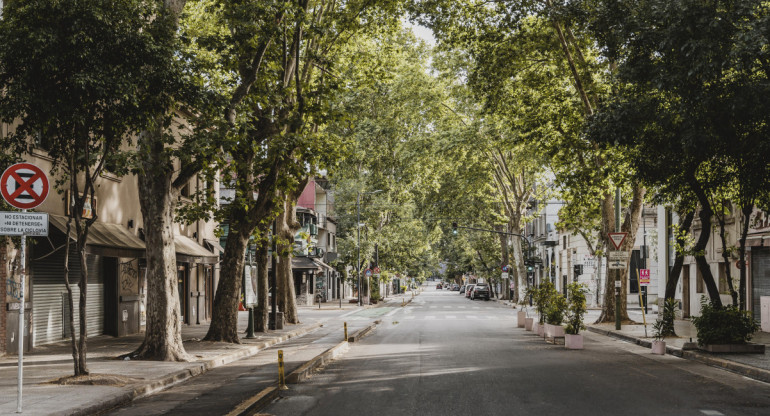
{"points": [[358, 243], [618, 283], [22, 273], [274, 300]]}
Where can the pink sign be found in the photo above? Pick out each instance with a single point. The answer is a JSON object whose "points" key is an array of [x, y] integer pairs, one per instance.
{"points": [[644, 277]]}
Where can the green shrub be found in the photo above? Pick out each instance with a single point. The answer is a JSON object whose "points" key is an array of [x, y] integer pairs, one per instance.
{"points": [[664, 326], [576, 308], [543, 296], [556, 308], [723, 325]]}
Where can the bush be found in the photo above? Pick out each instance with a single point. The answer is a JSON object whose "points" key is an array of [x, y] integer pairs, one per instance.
{"points": [[556, 308], [576, 308], [664, 326], [723, 325], [543, 296]]}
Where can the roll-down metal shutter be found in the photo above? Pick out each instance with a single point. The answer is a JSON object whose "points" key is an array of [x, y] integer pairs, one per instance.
{"points": [[760, 278], [49, 294]]}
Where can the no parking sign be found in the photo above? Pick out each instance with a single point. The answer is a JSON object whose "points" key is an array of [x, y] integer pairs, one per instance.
{"points": [[24, 185]]}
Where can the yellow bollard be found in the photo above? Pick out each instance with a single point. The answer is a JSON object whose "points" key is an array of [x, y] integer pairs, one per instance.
{"points": [[281, 378], [346, 331]]}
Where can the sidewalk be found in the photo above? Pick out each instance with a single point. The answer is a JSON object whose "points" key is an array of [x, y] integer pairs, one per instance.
{"points": [[131, 379], [755, 366]]}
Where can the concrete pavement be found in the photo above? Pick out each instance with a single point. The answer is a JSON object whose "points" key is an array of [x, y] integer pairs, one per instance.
{"points": [[124, 381]]}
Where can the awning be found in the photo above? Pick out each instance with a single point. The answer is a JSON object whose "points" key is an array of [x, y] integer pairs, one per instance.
{"points": [[213, 245], [304, 263], [104, 239], [322, 264], [189, 251]]}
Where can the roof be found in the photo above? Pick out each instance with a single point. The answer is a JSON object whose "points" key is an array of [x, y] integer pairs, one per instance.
{"points": [[104, 239]]}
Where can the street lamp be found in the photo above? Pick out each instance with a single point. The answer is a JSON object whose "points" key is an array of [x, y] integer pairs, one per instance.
{"points": [[358, 243]]}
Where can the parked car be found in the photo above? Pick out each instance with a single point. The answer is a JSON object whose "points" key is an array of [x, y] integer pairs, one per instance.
{"points": [[462, 289], [438, 286], [468, 290], [455, 287], [481, 290]]}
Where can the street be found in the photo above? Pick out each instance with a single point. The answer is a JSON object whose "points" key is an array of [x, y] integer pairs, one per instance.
{"points": [[446, 355]]}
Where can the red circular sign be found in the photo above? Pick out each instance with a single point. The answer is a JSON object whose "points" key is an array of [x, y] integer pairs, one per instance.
{"points": [[24, 185]]}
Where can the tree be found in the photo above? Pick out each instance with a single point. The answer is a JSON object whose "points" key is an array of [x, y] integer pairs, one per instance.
{"points": [[74, 74]]}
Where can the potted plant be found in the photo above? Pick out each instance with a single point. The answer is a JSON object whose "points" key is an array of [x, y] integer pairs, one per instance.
{"points": [[576, 309], [554, 315], [725, 329], [524, 320], [664, 327], [541, 296]]}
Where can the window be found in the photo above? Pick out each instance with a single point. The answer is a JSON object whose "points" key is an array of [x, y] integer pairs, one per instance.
{"points": [[698, 280], [723, 287], [564, 243]]}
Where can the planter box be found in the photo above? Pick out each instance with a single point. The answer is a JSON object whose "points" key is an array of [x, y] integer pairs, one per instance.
{"points": [[521, 316], [573, 342], [554, 331], [541, 330], [659, 347], [528, 323], [748, 348]]}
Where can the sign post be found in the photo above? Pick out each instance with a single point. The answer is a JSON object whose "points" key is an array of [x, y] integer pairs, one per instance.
{"points": [[23, 186]]}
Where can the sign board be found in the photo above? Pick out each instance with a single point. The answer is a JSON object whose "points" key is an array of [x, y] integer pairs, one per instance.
{"points": [[250, 286], [616, 264], [617, 255], [505, 275], [504, 268], [24, 185], [24, 223], [376, 270], [368, 272], [618, 284], [589, 261], [644, 277], [617, 239]]}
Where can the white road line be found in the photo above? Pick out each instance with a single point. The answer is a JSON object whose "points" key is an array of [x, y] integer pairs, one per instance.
{"points": [[430, 318], [451, 317]]}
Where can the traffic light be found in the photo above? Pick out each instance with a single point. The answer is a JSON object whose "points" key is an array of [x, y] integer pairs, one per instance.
{"points": [[454, 228]]}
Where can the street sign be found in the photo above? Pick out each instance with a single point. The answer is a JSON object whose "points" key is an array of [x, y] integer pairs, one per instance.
{"points": [[504, 268], [616, 264], [24, 185], [644, 277], [617, 239], [24, 223], [368, 272], [376, 270], [505, 275], [617, 255]]}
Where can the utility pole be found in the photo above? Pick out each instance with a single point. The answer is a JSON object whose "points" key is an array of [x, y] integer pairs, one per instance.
{"points": [[358, 243], [618, 283], [273, 280]]}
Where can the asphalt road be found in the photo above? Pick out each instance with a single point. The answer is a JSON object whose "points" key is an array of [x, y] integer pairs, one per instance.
{"points": [[445, 355]]}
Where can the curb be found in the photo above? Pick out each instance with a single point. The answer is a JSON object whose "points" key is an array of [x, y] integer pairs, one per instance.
{"points": [[758, 374], [268, 394], [186, 374]]}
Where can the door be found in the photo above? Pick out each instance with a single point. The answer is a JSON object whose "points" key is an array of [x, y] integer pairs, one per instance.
{"points": [[633, 269], [181, 278], [111, 296], [686, 291], [760, 279]]}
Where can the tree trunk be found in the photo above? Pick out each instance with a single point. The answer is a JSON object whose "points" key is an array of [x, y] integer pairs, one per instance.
{"points": [[630, 226], [506, 291], [726, 255], [287, 228], [746, 210], [225, 327], [157, 199], [83, 285], [705, 215], [70, 302], [676, 270], [260, 312]]}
